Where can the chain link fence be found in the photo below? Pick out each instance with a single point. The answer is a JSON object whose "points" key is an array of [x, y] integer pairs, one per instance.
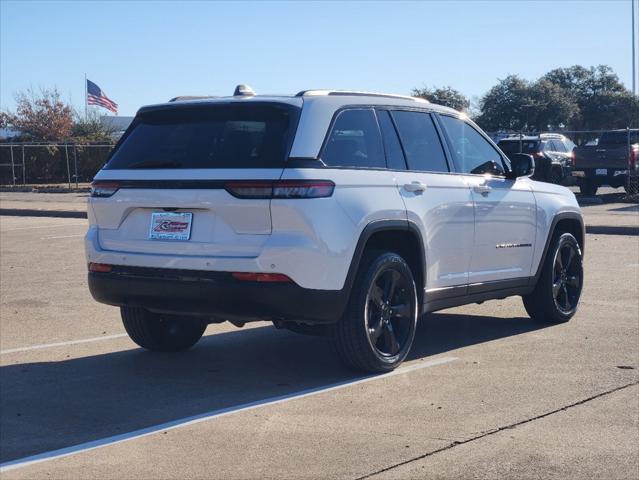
{"points": [[69, 164], [578, 137], [63, 164]]}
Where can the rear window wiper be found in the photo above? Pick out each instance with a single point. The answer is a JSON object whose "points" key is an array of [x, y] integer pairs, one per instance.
{"points": [[156, 164]]}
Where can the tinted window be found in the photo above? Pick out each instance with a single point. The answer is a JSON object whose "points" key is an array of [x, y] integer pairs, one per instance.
{"points": [[471, 151], [394, 153], [421, 141], [354, 141], [513, 146], [220, 136]]}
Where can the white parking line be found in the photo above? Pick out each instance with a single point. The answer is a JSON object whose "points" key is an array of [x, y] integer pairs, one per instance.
{"points": [[203, 417], [44, 226], [62, 236], [62, 344]]}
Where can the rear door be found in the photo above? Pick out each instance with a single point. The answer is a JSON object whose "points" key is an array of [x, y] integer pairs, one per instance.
{"points": [[505, 210], [439, 203], [190, 179]]}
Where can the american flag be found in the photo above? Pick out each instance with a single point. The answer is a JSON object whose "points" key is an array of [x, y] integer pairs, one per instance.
{"points": [[95, 96]]}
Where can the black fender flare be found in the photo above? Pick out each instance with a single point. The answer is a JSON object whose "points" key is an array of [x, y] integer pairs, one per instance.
{"points": [[381, 226], [551, 232]]}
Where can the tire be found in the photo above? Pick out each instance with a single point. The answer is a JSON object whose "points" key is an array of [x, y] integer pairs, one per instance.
{"points": [[556, 295], [556, 175], [588, 188], [371, 336], [161, 333], [632, 186]]}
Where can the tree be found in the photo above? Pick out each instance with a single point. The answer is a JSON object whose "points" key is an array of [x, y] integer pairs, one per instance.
{"points": [[507, 105], [574, 98], [603, 101], [40, 116], [91, 129], [447, 96], [552, 107]]}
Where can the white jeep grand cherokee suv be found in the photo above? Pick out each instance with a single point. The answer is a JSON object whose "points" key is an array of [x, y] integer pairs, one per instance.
{"points": [[344, 213]]}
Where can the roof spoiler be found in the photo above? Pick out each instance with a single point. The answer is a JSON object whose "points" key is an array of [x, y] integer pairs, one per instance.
{"points": [[185, 98]]}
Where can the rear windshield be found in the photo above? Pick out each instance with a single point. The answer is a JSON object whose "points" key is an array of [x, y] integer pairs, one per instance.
{"points": [[619, 138], [512, 146], [208, 136]]}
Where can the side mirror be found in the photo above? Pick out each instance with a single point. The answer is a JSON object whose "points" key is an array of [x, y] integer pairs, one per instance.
{"points": [[521, 165]]}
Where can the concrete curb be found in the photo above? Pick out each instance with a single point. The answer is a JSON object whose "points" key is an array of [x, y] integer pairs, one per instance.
{"points": [[25, 212], [612, 230]]}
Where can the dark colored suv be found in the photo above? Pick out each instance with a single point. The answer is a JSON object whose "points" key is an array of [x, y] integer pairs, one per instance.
{"points": [[553, 155]]}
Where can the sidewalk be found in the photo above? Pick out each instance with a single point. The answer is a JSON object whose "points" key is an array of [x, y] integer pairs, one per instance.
{"points": [[606, 218], [33, 204]]}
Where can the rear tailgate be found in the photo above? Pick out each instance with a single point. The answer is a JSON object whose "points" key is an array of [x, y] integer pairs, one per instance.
{"points": [[168, 178], [220, 224], [608, 157]]}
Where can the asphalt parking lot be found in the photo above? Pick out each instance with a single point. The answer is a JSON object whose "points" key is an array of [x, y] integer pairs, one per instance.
{"points": [[485, 393]]}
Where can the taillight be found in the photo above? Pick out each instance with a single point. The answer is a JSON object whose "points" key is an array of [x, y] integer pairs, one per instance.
{"points": [[571, 156], [281, 188], [100, 267], [260, 277], [632, 159], [303, 189], [104, 188]]}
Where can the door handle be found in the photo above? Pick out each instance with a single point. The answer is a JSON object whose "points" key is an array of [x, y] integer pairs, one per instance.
{"points": [[415, 187], [483, 189]]}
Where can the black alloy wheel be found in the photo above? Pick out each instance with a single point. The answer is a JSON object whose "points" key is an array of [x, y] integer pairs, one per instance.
{"points": [[377, 329], [566, 285], [556, 295], [389, 312]]}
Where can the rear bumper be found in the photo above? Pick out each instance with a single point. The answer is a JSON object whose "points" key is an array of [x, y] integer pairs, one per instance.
{"points": [[215, 294]]}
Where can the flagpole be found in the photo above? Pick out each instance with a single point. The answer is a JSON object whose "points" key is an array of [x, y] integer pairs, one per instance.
{"points": [[86, 101]]}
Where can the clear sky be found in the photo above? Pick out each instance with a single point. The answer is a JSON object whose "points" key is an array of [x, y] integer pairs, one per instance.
{"points": [[148, 52]]}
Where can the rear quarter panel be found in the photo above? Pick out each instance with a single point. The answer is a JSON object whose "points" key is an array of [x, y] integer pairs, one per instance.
{"points": [[314, 240]]}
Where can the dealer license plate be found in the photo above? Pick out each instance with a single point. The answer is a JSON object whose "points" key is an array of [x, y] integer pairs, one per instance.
{"points": [[170, 225]]}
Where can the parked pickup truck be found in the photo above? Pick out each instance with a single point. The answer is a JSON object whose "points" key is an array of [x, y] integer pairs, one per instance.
{"points": [[613, 161]]}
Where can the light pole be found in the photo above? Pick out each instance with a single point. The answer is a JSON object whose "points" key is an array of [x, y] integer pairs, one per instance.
{"points": [[634, 56]]}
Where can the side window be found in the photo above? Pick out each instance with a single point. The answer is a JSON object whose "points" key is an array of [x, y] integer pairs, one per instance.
{"points": [[394, 153], [471, 151], [354, 141], [421, 141], [569, 145]]}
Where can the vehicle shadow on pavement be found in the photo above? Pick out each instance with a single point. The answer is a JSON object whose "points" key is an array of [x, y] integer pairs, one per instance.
{"points": [[443, 332], [51, 405]]}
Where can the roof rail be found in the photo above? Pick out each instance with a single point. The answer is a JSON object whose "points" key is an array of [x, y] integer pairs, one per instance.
{"points": [[191, 97], [318, 93]]}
